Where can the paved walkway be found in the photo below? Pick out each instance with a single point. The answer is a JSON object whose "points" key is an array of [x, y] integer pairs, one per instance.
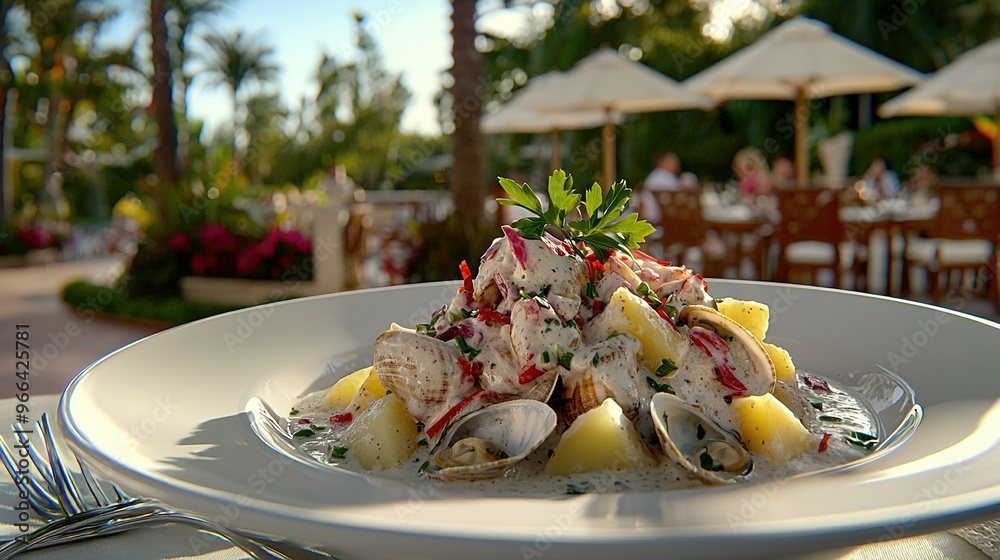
{"points": [[62, 341]]}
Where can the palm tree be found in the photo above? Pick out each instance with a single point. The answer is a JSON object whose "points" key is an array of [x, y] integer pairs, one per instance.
{"points": [[184, 15], [165, 159], [238, 61], [468, 172]]}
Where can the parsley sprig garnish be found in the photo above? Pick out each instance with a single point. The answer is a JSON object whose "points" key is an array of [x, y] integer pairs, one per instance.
{"points": [[602, 225]]}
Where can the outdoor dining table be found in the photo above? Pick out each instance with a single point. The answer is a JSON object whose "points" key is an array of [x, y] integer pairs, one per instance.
{"points": [[170, 542], [879, 227]]}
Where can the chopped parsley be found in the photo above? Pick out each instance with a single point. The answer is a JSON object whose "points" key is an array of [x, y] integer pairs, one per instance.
{"points": [[829, 418], [595, 360], [564, 358], [659, 387], [708, 463], [465, 348], [304, 433], [667, 366], [574, 490], [338, 452]]}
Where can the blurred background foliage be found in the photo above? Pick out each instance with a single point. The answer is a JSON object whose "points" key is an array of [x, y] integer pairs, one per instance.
{"points": [[80, 132]]}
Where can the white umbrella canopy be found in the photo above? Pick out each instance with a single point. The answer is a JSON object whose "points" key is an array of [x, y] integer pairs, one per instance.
{"points": [[518, 116], [968, 86], [801, 59], [609, 83]]}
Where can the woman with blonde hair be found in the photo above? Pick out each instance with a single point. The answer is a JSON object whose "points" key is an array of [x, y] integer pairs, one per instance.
{"points": [[752, 172]]}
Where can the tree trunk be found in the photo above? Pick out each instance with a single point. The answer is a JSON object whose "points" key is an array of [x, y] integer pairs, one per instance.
{"points": [[165, 159], [468, 172]]}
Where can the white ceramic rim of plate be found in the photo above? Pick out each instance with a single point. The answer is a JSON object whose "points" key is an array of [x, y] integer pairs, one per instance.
{"points": [[944, 510]]}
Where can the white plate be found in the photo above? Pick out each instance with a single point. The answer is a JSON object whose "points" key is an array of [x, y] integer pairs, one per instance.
{"points": [[166, 417]]}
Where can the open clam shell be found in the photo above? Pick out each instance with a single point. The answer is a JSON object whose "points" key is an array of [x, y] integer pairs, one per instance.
{"points": [[696, 443], [488, 442], [750, 362]]}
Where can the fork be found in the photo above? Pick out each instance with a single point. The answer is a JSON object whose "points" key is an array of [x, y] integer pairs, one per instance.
{"points": [[72, 516]]}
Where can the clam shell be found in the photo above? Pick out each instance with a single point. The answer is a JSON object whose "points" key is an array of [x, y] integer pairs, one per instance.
{"points": [[688, 436], [613, 376], [423, 371], [756, 372], [517, 427]]}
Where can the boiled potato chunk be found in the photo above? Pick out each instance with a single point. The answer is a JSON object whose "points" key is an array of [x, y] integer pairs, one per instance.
{"points": [[770, 429], [343, 391], [601, 439], [751, 314], [369, 391], [784, 369], [383, 436], [628, 313]]}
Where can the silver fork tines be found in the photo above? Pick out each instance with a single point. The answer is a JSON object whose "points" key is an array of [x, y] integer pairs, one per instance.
{"points": [[71, 516]]}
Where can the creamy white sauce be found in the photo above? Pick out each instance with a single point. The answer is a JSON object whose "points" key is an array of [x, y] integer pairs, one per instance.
{"points": [[842, 413]]}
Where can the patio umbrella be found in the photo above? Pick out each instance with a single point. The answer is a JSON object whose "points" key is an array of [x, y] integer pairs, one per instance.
{"points": [[801, 59], [518, 116], [609, 83], [968, 86]]}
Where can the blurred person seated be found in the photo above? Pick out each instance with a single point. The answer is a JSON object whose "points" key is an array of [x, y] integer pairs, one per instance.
{"points": [[663, 177], [689, 181], [919, 186], [881, 180], [752, 173], [783, 173]]}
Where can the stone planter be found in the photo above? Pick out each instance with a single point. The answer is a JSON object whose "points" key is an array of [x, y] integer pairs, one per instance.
{"points": [[327, 267]]}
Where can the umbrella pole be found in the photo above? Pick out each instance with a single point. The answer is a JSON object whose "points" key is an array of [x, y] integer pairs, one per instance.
{"points": [[608, 138], [801, 137], [555, 160]]}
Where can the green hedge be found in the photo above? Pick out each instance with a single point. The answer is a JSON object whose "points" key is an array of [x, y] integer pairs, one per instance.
{"points": [[949, 145], [87, 298]]}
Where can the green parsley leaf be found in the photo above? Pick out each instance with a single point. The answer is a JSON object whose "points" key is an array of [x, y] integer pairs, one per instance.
{"points": [[304, 433], [464, 347], [666, 367], [520, 195], [338, 452], [659, 387]]}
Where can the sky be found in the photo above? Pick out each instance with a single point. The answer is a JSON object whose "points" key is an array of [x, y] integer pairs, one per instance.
{"points": [[414, 36]]}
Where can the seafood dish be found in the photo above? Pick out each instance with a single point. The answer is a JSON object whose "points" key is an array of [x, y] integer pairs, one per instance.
{"points": [[573, 362]]}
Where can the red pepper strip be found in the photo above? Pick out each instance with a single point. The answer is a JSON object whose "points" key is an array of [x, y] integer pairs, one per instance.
{"points": [[528, 374], [726, 375], [598, 306], [494, 247], [517, 247], [492, 317], [557, 247], [305, 421], [466, 276], [823, 442], [462, 329], [470, 370], [713, 345], [501, 284], [817, 384], [341, 418], [708, 341], [593, 266], [648, 257], [441, 422]]}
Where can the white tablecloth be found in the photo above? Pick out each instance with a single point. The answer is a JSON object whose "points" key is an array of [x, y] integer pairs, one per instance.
{"points": [[175, 543]]}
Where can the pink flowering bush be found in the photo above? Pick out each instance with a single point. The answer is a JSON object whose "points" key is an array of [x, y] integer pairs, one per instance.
{"points": [[18, 240], [214, 250]]}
